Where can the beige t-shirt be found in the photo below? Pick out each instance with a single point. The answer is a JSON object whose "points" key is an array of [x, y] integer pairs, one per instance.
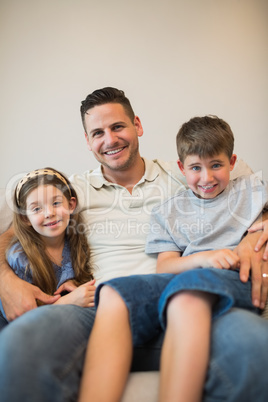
{"points": [[117, 222]]}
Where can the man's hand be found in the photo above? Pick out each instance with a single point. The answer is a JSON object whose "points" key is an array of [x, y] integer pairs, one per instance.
{"points": [[251, 260], [19, 296], [263, 237]]}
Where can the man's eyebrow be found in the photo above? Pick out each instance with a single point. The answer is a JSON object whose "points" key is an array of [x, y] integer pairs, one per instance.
{"points": [[95, 130], [110, 126]]}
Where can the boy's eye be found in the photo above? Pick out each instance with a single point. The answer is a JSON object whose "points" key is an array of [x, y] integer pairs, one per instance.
{"points": [[196, 168], [216, 165]]}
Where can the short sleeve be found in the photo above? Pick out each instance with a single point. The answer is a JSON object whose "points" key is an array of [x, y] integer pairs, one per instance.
{"points": [[18, 262], [159, 239]]}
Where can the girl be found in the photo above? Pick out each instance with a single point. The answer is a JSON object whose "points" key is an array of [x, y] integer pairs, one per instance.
{"points": [[50, 247]]}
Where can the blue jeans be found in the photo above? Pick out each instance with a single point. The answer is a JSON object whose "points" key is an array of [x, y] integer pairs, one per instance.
{"points": [[42, 355], [147, 296], [3, 321]]}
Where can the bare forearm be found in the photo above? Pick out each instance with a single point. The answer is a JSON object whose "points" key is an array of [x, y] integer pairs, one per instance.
{"points": [[5, 240], [221, 259], [174, 264]]}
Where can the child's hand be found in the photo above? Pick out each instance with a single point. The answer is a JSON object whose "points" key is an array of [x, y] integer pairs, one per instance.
{"points": [[67, 286], [82, 296], [221, 259], [263, 238]]}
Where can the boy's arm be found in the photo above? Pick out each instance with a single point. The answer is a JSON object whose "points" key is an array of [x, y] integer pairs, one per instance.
{"points": [[172, 262], [17, 296]]}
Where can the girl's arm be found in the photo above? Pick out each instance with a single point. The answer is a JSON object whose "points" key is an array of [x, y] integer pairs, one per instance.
{"points": [[172, 262], [82, 296]]}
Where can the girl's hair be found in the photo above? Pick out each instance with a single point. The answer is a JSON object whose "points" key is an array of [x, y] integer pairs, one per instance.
{"points": [[204, 136], [32, 243]]}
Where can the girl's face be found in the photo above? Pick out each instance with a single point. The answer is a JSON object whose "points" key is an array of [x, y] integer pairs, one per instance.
{"points": [[48, 211]]}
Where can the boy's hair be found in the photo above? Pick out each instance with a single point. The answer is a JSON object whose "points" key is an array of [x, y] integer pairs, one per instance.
{"points": [[103, 96], [40, 265], [204, 136]]}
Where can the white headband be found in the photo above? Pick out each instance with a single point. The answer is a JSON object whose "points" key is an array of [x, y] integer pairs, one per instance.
{"points": [[39, 172]]}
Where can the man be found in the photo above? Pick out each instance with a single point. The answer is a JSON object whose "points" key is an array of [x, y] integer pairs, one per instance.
{"points": [[42, 352]]}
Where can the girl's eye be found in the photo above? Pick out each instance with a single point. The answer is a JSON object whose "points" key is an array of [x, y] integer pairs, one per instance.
{"points": [[36, 210], [57, 203]]}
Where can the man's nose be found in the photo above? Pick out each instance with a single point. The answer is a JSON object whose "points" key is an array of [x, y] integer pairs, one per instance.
{"points": [[110, 137]]}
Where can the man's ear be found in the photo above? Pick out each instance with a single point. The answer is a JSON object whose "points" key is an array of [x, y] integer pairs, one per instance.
{"points": [[138, 125], [180, 164], [232, 161], [87, 140]]}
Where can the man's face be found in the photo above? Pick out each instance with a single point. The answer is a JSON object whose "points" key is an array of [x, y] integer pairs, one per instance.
{"points": [[113, 137]]}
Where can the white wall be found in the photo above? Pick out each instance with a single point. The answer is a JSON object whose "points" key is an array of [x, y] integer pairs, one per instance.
{"points": [[173, 58]]}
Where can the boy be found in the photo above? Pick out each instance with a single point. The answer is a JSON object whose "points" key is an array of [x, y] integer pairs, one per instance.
{"points": [[198, 228]]}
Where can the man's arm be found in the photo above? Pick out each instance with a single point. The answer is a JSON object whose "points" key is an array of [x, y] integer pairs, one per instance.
{"points": [[254, 261], [17, 296]]}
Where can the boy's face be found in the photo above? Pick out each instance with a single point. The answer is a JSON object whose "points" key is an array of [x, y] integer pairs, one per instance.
{"points": [[207, 177]]}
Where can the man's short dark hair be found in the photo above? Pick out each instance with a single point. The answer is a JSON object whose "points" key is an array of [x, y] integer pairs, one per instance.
{"points": [[103, 96]]}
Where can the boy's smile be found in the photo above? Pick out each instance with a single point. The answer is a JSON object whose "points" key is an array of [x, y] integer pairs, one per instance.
{"points": [[207, 177]]}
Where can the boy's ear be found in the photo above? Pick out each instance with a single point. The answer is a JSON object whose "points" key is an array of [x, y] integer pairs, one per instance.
{"points": [[232, 161], [180, 164]]}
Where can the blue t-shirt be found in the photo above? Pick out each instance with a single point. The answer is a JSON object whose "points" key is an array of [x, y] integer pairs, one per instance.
{"points": [[18, 262]]}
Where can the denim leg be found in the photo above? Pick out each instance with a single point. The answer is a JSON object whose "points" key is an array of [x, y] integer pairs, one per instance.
{"points": [[239, 358], [141, 294], [42, 354]]}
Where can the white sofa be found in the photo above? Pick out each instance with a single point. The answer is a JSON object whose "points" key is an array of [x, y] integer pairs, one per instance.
{"points": [[141, 386]]}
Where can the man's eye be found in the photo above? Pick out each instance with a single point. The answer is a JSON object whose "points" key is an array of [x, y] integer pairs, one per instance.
{"points": [[96, 134], [118, 127]]}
